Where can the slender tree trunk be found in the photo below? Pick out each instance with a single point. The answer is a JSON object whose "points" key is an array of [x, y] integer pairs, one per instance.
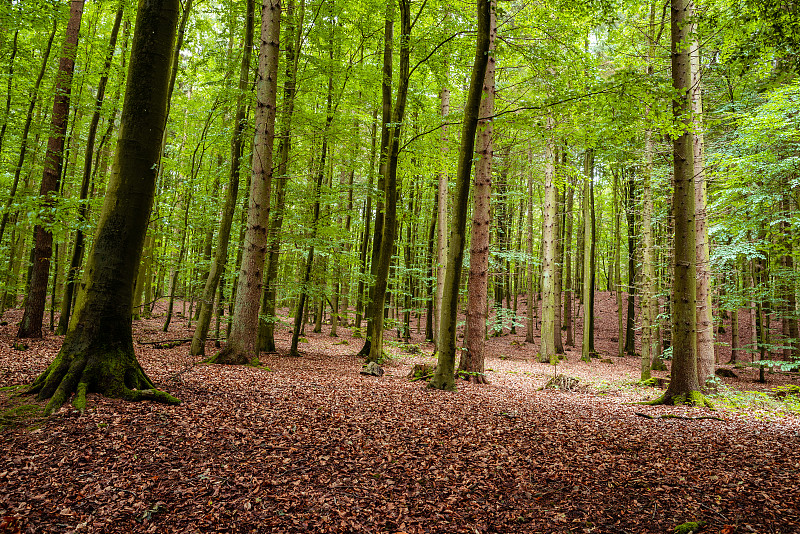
{"points": [[705, 322], [530, 322], [587, 347], [97, 354], [569, 191], [242, 346], [390, 192], [31, 325], [558, 274], [442, 219], [630, 215], [294, 32], [226, 221], [471, 366], [444, 379], [547, 349], [380, 203]]}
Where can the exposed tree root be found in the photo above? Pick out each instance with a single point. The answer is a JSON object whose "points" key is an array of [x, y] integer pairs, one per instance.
{"points": [[231, 355], [675, 416], [114, 373], [473, 377], [693, 398]]}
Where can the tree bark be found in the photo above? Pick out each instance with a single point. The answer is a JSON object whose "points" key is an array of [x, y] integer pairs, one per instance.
{"points": [[471, 366], [442, 220], [31, 324], [587, 347], [294, 33], [390, 192], [97, 354], [443, 378], [83, 210], [242, 346], [683, 386], [705, 322], [547, 348], [226, 221]]}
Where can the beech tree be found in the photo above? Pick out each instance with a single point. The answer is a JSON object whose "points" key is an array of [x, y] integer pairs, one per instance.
{"points": [[97, 354]]}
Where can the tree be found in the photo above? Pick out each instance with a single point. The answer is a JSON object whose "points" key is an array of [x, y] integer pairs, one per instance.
{"points": [[683, 386], [31, 324], [242, 345], [547, 349], [97, 354], [223, 237], [472, 359], [444, 378], [587, 347], [78, 247]]}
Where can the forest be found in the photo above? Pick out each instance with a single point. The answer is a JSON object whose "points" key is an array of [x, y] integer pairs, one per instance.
{"points": [[399, 266]]}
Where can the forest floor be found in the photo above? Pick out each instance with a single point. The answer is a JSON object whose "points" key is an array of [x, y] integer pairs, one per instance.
{"points": [[310, 445]]}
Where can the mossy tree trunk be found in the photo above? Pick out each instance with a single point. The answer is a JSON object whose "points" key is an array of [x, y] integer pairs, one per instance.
{"points": [[97, 354], [242, 345], [223, 237], [444, 379], [31, 324]]}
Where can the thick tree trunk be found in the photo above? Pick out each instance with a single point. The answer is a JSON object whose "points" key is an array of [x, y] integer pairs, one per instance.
{"points": [[97, 354], [31, 325], [242, 345], [530, 265], [471, 366], [443, 378], [226, 221]]}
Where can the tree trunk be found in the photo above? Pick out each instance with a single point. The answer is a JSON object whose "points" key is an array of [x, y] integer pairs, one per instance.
{"points": [[630, 215], [471, 366], [587, 347], [442, 219], [530, 265], [242, 346], [226, 221], [77, 250], [443, 378], [705, 322], [294, 32], [547, 349], [390, 192], [97, 354], [683, 386], [569, 191], [31, 325]]}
